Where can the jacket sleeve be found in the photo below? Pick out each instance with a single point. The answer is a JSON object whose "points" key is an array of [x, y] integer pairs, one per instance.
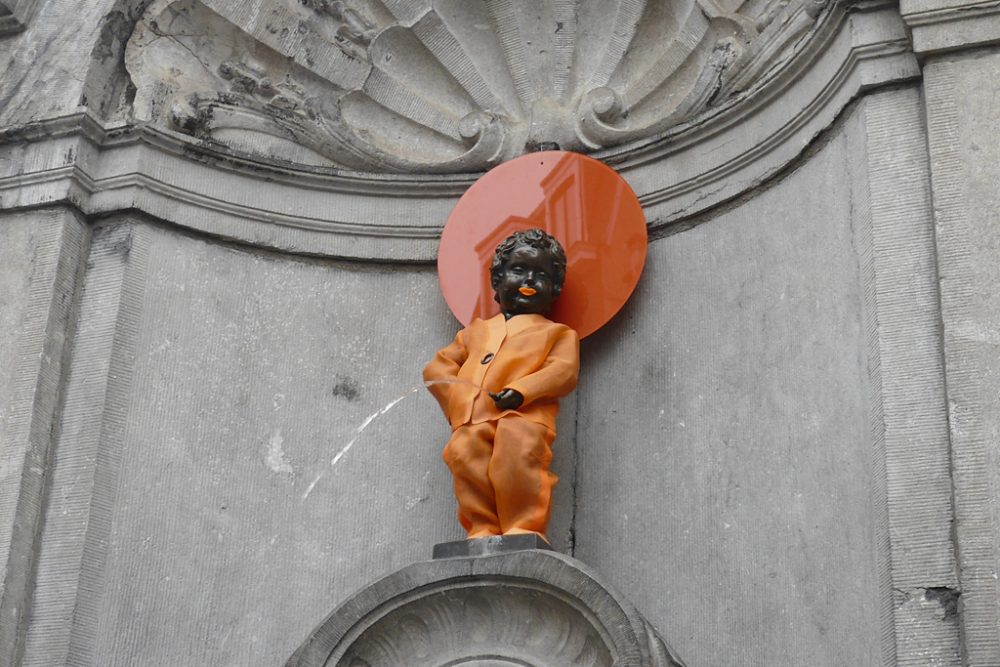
{"points": [[558, 373], [445, 366]]}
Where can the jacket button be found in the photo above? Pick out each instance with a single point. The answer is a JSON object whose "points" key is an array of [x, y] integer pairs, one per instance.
{"points": [[487, 359]]}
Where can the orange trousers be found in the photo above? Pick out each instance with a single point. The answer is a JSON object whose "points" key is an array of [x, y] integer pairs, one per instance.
{"points": [[501, 473]]}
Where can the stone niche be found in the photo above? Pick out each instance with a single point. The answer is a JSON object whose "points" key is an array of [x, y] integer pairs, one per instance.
{"points": [[528, 608], [192, 255]]}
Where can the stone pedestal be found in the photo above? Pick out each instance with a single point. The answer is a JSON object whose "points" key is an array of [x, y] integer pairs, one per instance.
{"points": [[533, 607], [489, 546]]}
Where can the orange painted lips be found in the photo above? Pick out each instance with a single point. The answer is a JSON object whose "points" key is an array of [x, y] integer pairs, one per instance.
{"points": [[527, 291]]}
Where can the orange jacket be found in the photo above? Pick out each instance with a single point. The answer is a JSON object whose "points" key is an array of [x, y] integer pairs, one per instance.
{"points": [[530, 354]]}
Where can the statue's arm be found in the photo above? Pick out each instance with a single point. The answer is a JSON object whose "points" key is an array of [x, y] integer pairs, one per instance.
{"points": [[443, 369], [557, 375]]}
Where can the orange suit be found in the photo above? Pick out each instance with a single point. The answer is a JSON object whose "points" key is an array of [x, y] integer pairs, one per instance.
{"points": [[499, 459]]}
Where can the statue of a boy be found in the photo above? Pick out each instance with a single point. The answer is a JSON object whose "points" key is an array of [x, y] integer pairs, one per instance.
{"points": [[512, 370]]}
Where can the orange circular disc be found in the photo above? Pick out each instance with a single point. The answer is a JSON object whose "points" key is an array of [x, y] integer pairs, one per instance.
{"points": [[585, 204]]}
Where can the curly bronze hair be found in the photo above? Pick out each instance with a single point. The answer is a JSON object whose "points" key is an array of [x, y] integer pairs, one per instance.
{"points": [[535, 238]]}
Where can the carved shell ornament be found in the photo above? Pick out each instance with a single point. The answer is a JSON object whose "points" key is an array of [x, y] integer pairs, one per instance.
{"points": [[448, 86]]}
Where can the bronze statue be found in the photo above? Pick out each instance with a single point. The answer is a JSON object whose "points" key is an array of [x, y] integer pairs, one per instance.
{"points": [[499, 384]]}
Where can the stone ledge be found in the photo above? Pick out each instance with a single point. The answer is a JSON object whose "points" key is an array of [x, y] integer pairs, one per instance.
{"points": [[490, 546], [960, 25]]}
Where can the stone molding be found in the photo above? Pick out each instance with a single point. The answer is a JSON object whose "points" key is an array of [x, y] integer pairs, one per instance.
{"points": [[14, 15], [206, 186], [532, 608], [949, 25]]}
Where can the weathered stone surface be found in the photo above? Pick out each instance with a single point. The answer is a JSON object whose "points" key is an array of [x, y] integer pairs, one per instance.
{"points": [[450, 86], [962, 120], [40, 253], [109, 164], [14, 15], [754, 464], [912, 501], [755, 485], [46, 66], [198, 417], [531, 608], [489, 546], [948, 25]]}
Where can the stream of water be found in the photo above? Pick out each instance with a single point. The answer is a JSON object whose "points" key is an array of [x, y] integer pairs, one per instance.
{"points": [[371, 418]]}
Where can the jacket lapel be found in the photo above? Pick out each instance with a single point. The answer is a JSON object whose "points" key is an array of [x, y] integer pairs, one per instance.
{"points": [[497, 332]]}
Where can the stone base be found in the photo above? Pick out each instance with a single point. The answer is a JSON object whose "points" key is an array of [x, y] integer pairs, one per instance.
{"points": [[527, 605], [489, 546]]}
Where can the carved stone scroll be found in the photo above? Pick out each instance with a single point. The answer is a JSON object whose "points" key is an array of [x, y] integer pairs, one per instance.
{"points": [[449, 86]]}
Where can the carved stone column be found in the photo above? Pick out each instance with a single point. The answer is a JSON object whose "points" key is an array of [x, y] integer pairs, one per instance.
{"points": [[949, 36]]}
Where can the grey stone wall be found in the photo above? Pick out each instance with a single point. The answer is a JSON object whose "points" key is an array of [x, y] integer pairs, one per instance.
{"points": [[791, 464], [197, 418], [751, 471]]}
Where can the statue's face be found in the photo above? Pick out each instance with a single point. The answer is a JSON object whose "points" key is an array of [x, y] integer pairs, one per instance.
{"points": [[527, 282]]}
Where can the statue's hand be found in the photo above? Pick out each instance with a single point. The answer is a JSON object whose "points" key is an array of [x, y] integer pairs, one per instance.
{"points": [[507, 399]]}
